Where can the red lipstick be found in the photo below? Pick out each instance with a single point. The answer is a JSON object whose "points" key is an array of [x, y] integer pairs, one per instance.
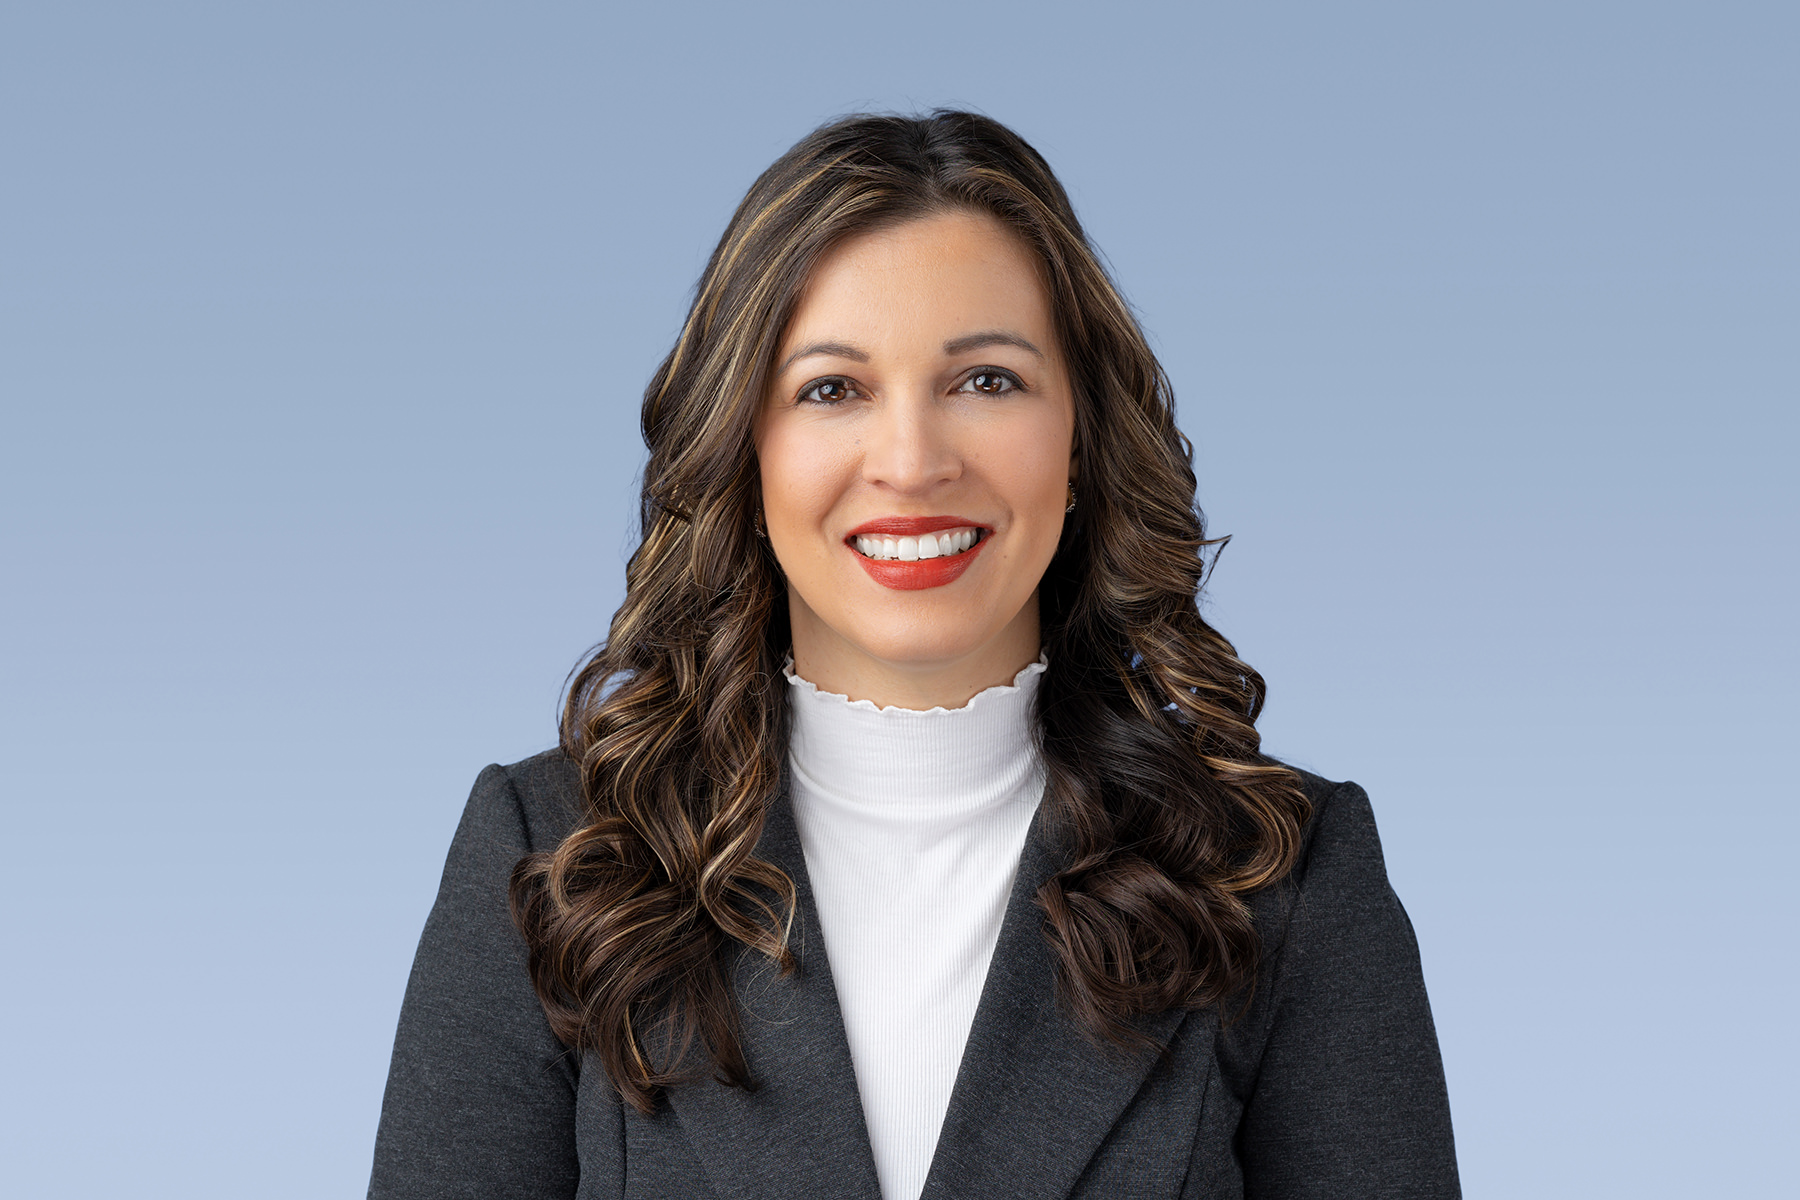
{"points": [[904, 576]]}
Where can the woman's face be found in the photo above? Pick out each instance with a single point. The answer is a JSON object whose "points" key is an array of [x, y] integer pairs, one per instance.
{"points": [[916, 449]]}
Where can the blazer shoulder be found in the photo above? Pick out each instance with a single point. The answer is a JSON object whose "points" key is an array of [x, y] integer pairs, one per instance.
{"points": [[1335, 1058], [546, 791], [1341, 813], [1341, 824]]}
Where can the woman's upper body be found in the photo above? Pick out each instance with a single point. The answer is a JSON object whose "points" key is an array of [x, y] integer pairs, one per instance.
{"points": [[1326, 1085], [913, 437]]}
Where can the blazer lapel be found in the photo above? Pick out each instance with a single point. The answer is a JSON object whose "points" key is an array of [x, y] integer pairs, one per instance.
{"points": [[1034, 1096], [801, 1133]]}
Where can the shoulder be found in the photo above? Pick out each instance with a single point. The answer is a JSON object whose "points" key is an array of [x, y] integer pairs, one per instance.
{"points": [[1335, 1057], [1339, 861], [1342, 821], [535, 802]]}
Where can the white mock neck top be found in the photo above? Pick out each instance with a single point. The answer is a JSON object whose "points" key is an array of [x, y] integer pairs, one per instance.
{"points": [[912, 825]]}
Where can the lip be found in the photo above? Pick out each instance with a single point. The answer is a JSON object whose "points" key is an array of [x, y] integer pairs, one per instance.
{"points": [[926, 572], [912, 526]]}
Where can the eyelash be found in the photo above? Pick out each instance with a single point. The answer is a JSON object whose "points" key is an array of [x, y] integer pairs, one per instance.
{"points": [[1014, 384]]}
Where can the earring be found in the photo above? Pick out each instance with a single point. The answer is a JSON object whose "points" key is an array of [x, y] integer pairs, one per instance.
{"points": [[1071, 505], [757, 523]]}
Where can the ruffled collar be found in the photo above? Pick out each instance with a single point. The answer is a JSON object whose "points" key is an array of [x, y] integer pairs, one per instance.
{"points": [[857, 752]]}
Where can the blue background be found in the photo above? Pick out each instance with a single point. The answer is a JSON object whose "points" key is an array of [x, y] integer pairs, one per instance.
{"points": [[322, 329]]}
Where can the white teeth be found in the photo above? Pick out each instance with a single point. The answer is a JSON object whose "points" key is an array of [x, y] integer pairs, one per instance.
{"points": [[912, 549]]}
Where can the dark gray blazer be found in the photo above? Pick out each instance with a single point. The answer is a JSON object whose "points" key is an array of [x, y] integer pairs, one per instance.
{"points": [[1329, 1085]]}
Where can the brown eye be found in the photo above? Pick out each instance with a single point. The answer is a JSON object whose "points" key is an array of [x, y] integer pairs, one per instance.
{"points": [[992, 383], [826, 391]]}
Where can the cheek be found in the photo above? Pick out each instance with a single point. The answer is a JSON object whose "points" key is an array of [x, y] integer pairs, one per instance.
{"points": [[801, 475], [1036, 468]]}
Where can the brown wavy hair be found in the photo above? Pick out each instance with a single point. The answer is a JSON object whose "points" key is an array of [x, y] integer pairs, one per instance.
{"points": [[1170, 812]]}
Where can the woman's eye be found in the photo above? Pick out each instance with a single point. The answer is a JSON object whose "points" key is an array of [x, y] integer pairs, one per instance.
{"points": [[992, 383], [827, 391]]}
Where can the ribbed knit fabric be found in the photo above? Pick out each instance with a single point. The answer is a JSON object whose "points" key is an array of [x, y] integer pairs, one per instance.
{"points": [[912, 824]]}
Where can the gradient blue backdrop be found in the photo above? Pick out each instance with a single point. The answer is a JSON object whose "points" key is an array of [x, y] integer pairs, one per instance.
{"points": [[322, 328]]}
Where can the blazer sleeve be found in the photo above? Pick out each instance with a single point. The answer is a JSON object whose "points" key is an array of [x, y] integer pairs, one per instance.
{"points": [[1348, 1099], [481, 1096]]}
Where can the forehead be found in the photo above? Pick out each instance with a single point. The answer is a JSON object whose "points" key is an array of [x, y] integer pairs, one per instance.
{"points": [[936, 276]]}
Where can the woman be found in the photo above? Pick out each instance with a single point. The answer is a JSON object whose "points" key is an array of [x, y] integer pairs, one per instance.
{"points": [[910, 834]]}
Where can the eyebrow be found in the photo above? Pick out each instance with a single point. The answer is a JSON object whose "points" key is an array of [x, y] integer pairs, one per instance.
{"points": [[988, 337], [955, 346], [835, 349]]}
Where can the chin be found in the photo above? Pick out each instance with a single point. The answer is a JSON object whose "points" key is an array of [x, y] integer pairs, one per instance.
{"points": [[913, 647]]}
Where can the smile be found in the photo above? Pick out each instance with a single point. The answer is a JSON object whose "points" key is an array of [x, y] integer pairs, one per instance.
{"points": [[912, 554], [943, 544]]}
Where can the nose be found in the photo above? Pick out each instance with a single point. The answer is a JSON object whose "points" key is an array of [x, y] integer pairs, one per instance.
{"points": [[910, 446]]}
